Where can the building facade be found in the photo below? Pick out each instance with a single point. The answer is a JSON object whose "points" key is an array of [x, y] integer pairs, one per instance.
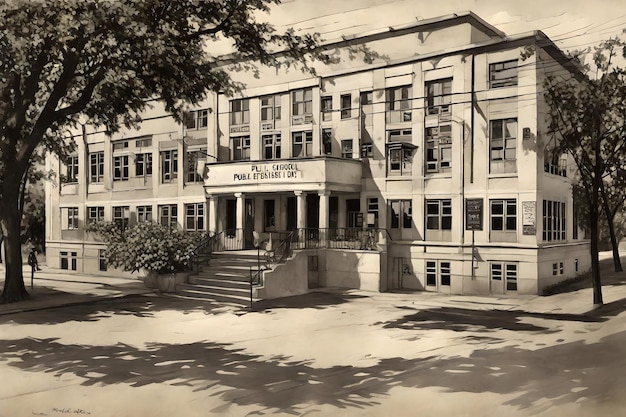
{"points": [[439, 147]]}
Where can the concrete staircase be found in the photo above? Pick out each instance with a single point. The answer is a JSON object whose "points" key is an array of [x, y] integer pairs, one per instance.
{"points": [[225, 280]]}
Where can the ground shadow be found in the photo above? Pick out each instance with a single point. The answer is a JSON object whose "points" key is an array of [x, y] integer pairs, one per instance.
{"points": [[553, 375], [315, 299]]}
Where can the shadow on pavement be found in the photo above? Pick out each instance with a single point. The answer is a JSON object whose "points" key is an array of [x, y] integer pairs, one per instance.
{"points": [[316, 299], [561, 373]]}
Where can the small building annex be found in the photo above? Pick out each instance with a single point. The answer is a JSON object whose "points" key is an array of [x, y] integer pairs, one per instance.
{"points": [[433, 159]]}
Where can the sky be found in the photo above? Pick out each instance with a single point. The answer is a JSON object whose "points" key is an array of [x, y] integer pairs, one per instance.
{"points": [[571, 24]]}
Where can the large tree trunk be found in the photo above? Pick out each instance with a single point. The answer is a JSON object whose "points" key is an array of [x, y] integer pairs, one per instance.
{"points": [[610, 218], [14, 289], [595, 261]]}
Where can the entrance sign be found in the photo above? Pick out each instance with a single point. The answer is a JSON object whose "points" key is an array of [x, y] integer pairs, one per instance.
{"points": [[529, 217], [474, 214]]}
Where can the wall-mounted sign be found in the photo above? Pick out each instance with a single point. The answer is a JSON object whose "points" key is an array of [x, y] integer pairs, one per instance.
{"points": [[529, 217], [261, 172], [474, 214]]}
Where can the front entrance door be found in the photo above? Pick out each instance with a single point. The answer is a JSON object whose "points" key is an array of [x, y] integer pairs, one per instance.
{"points": [[292, 213], [248, 228]]}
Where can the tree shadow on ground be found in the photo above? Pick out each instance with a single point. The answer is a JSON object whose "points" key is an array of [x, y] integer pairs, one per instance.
{"points": [[316, 299], [462, 319], [558, 374]]}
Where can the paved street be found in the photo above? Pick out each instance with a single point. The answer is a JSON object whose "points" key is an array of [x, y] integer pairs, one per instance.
{"points": [[324, 354]]}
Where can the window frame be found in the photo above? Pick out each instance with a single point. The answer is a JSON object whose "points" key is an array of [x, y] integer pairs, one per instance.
{"points": [[438, 273], [96, 167], [195, 216], [402, 105], [507, 161], [121, 216], [272, 144], [143, 164], [95, 214], [169, 212], [501, 82], [239, 148], [443, 217], [438, 96], [144, 214], [71, 169], [301, 102], [405, 206], [438, 149], [194, 155], [169, 165], [345, 103], [304, 140], [347, 148], [327, 108], [554, 216], [239, 112]]}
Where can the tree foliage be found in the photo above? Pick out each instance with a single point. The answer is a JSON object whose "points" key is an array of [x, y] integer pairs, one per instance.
{"points": [[587, 116], [102, 62]]}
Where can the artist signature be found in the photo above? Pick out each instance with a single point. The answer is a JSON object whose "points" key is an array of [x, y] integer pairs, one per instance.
{"points": [[55, 410]]}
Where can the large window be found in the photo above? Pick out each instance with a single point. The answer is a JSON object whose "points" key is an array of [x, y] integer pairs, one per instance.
{"points": [[400, 159], [503, 74], [327, 141], [269, 214], [144, 214], [327, 109], [239, 112], [346, 106], [168, 215], [66, 258], [438, 219], [95, 214], [121, 216], [169, 166], [270, 112], [503, 276], [271, 146], [438, 273], [301, 106], [439, 149], [302, 144], [240, 148], [96, 167], [69, 218], [503, 146], [438, 96], [401, 214], [143, 165], [346, 148], [554, 221], [194, 216], [398, 104], [197, 119], [193, 157], [372, 212], [503, 219], [120, 168], [71, 166]]}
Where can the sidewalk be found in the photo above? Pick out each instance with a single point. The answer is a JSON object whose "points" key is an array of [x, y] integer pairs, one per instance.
{"points": [[56, 288]]}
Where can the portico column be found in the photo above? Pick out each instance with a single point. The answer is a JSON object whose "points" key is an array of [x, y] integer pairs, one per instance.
{"points": [[300, 209], [239, 217], [324, 206], [212, 214]]}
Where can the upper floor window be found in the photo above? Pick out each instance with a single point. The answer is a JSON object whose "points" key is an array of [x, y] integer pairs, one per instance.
{"points": [[121, 216], [70, 218], [401, 214], [398, 104], [168, 215], [555, 163], [194, 216], [438, 96], [367, 150], [327, 109], [270, 112], [372, 211], [240, 148], [169, 165], [400, 159], [439, 149], [503, 145], [239, 112], [503, 74], [438, 219], [327, 141], [96, 166], [503, 218], [197, 119], [346, 106], [143, 143], [554, 224], [120, 168], [346, 148], [271, 146], [120, 145], [71, 166], [302, 144], [144, 214], [143, 165], [301, 106], [95, 214], [191, 166]]}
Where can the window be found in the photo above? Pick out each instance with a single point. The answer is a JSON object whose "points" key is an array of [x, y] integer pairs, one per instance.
{"points": [[120, 145], [402, 208], [366, 98], [240, 148], [169, 166], [270, 109], [504, 215], [554, 224], [194, 219], [121, 216], [143, 165], [271, 146], [96, 167], [95, 214], [120, 168], [71, 166], [168, 215], [327, 141], [438, 272], [302, 144], [239, 112], [372, 212], [504, 275], [503, 74], [327, 109], [193, 157], [70, 218], [438, 215], [269, 214], [196, 119], [301, 106], [65, 258], [143, 143], [439, 149], [438, 96], [558, 268], [102, 260], [346, 106], [367, 150], [346, 148], [503, 145], [144, 214], [555, 164], [398, 104], [400, 159]]}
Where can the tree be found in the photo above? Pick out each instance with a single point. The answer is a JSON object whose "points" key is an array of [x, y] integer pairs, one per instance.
{"points": [[587, 116], [613, 197], [67, 61]]}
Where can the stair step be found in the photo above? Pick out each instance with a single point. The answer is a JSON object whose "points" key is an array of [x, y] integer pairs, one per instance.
{"points": [[220, 283], [236, 292]]}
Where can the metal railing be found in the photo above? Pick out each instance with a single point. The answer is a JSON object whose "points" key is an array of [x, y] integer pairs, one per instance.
{"points": [[338, 238]]}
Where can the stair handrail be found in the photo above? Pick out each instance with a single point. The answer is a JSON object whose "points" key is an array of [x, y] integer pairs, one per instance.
{"points": [[204, 249], [282, 251]]}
